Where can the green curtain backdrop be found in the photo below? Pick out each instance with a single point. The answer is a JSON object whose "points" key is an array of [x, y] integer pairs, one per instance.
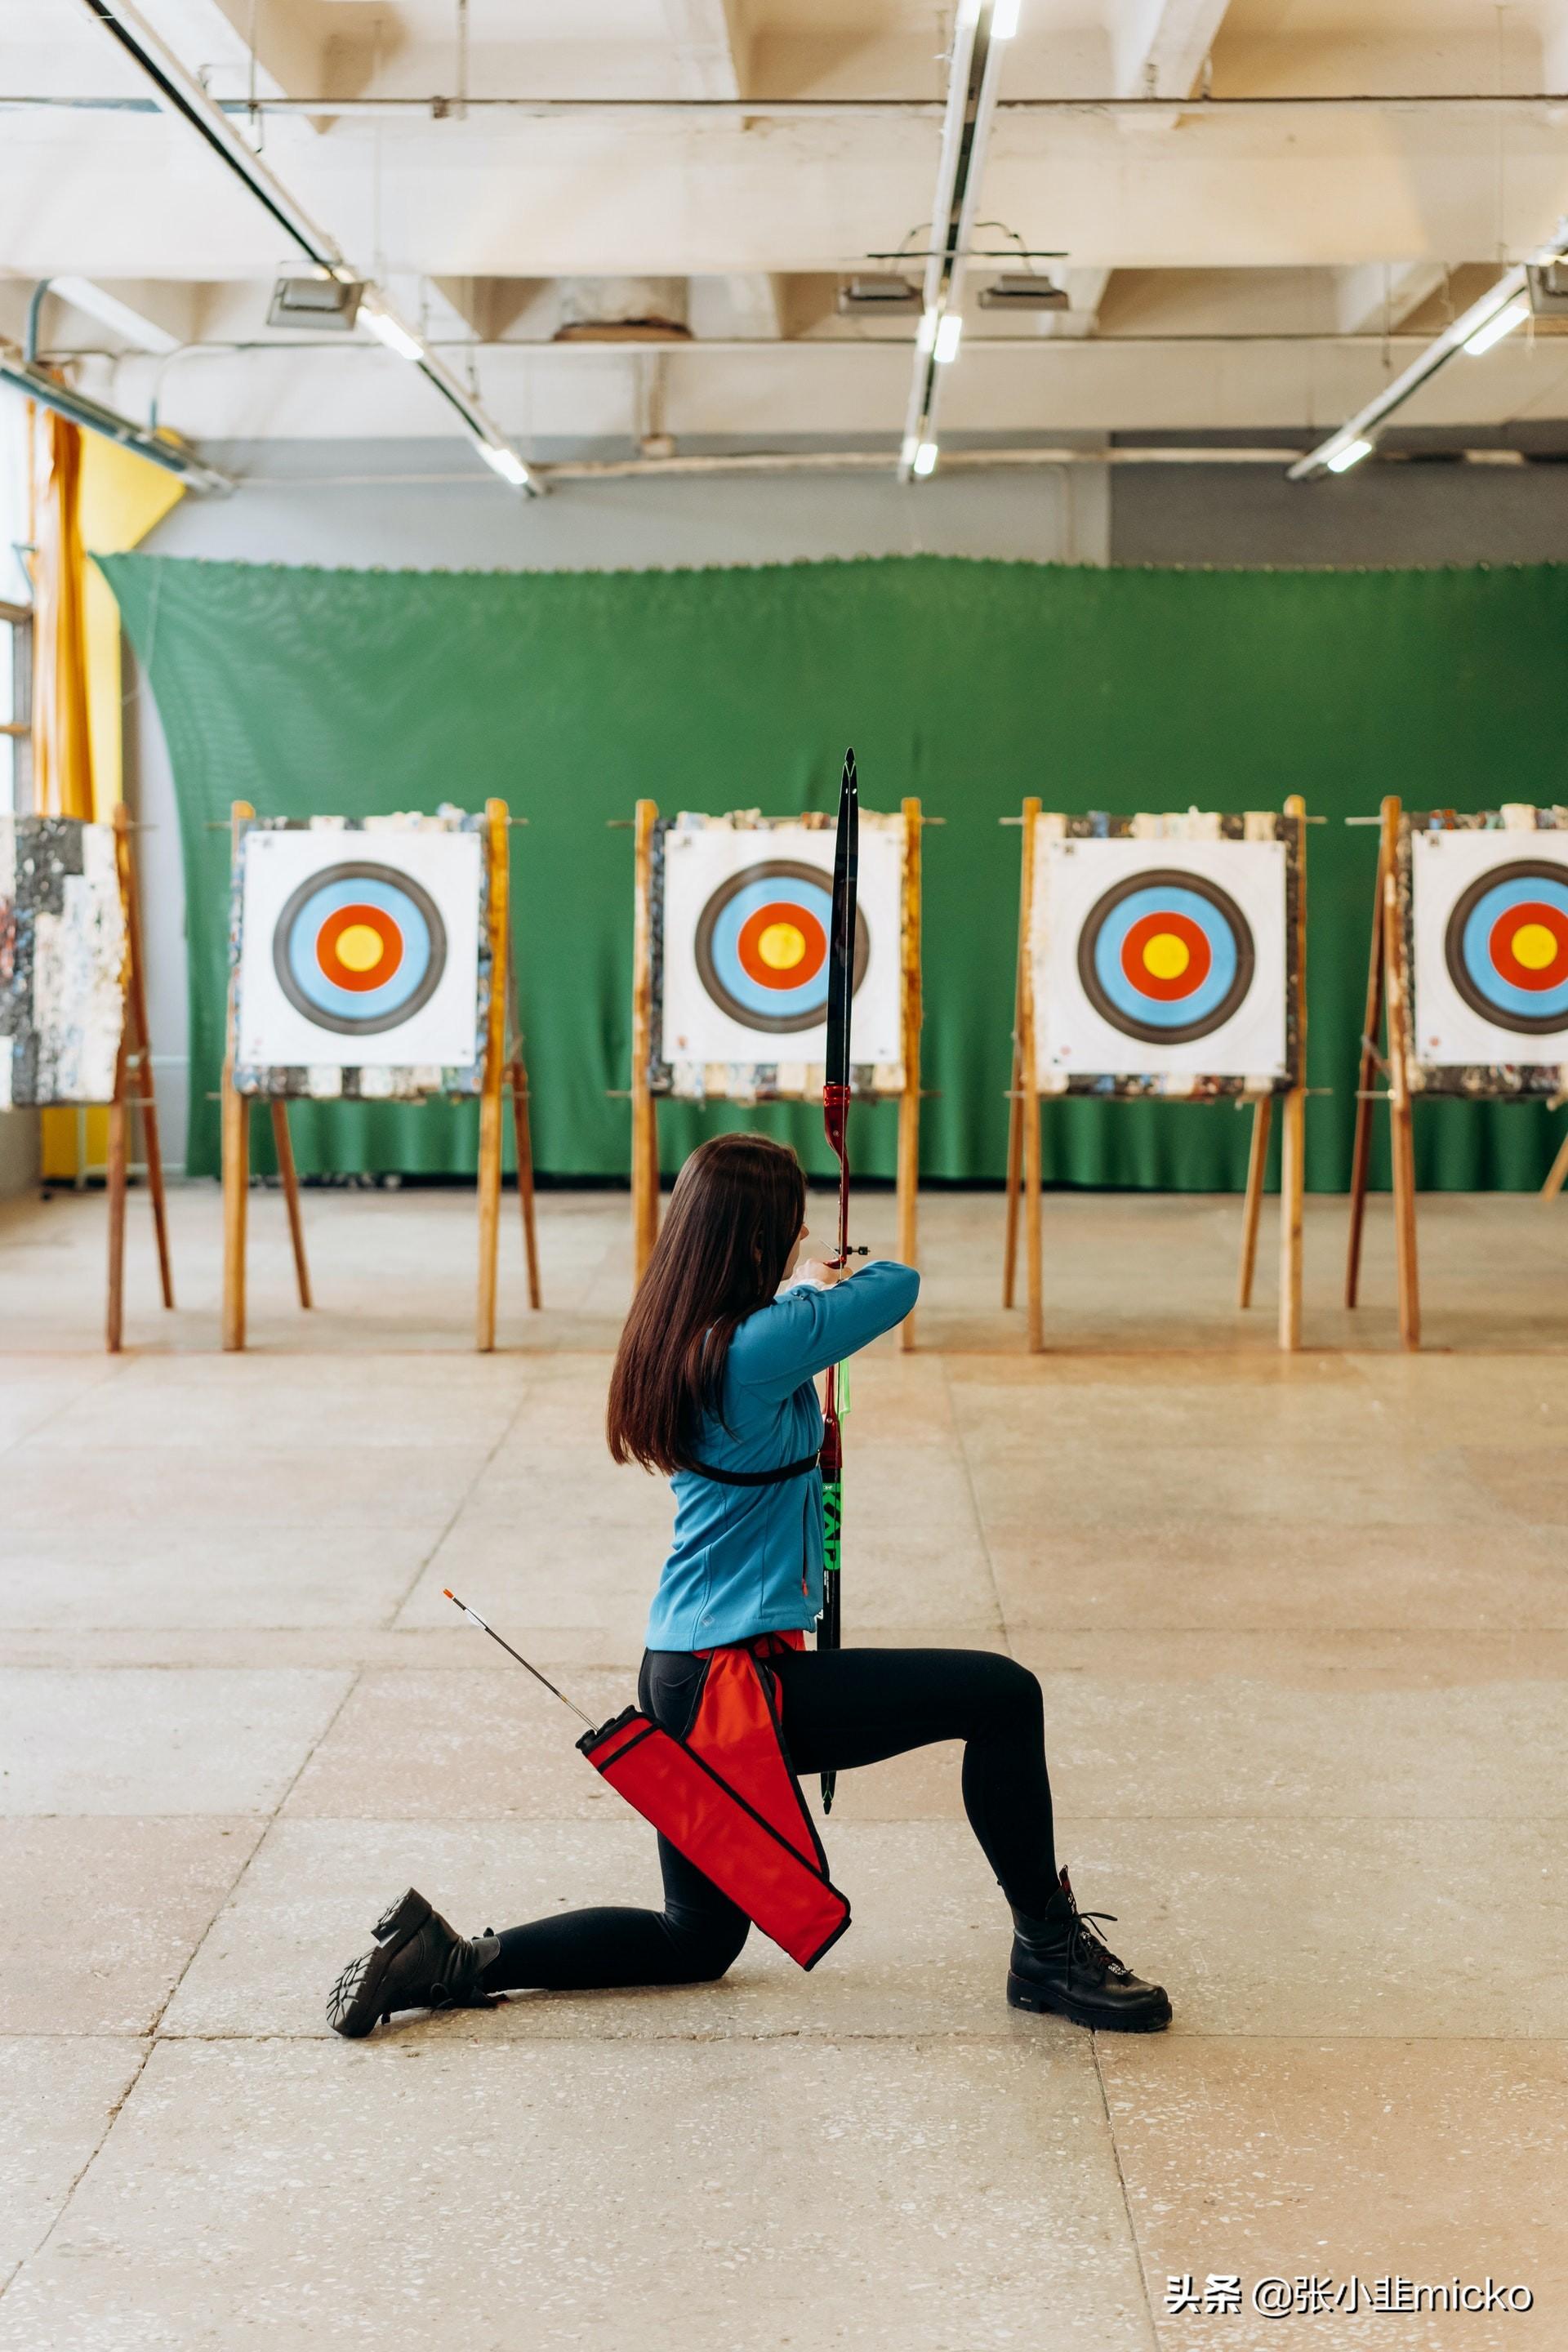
{"points": [[972, 684]]}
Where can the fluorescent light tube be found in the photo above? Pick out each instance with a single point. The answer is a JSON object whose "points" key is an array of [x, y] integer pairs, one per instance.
{"points": [[947, 337], [1004, 20], [505, 462], [1350, 455], [392, 332], [1495, 328], [924, 460]]}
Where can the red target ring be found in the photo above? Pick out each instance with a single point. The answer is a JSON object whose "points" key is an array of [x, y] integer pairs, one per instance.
{"points": [[1166, 956], [1529, 945], [782, 945], [354, 970]]}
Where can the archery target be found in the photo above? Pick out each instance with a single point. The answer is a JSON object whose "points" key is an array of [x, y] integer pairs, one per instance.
{"points": [[761, 946], [360, 948], [746, 917], [362, 961], [1490, 911], [1160, 957]]}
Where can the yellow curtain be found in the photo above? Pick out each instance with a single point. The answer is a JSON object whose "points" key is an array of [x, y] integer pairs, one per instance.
{"points": [[87, 493], [62, 749]]}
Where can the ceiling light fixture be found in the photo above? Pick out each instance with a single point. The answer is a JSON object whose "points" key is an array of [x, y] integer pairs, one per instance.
{"points": [[391, 332], [1495, 328], [181, 92], [22, 375], [923, 462], [948, 335], [505, 462], [1462, 333], [1350, 455]]}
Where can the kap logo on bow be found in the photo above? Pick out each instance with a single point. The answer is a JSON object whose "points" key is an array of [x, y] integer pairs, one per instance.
{"points": [[836, 1093]]}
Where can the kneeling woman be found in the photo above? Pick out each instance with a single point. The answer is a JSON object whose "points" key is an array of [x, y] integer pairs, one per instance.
{"points": [[716, 1369]]}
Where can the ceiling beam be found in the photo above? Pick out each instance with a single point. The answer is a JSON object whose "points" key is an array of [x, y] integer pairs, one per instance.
{"points": [[712, 53], [1377, 297], [1160, 47], [152, 317]]}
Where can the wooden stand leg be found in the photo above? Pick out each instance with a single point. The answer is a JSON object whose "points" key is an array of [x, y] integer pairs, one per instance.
{"points": [[1014, 1183], [522, 1140], [235, 1202], [912, 1022], [118, 1119], [1257, 1165], [1029, 1093], [908, 1193], [1557, 1175], [1361, 1153], [1396, 1003], [1293, 1121], [235, 1110], [142, 1043], [1292, 1199], [1015, 1098], [644, 1126], [284, 1147], [500, 928]]}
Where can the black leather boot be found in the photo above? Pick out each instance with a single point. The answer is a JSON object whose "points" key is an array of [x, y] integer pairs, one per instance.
{"points": [[1062, 1962], [416, 1962]]}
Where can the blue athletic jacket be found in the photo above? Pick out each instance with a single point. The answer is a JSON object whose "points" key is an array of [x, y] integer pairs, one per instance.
{"points": [[748, 1560]]}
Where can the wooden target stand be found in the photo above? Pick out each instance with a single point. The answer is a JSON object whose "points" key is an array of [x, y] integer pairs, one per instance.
{"points": [[1024, 1185], [644, 1101], [133, 1092], [504, 1072], [1389, 999]]}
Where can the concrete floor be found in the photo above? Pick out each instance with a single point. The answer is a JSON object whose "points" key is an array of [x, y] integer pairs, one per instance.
{"points": [[1303, 1630]]}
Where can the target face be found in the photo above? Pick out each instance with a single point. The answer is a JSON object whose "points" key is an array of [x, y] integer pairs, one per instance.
{"points": [[1507, 946], [1489, 947], [365, 961], [359, 949], [1155, 958], [761, 946], [742, 914], [1166, 957]]}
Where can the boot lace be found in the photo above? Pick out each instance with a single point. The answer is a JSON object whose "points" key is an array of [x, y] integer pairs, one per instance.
{"points": [[1088, 1948]]}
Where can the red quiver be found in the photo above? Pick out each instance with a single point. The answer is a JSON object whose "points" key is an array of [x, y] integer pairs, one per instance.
{"points": [[727, 1798]]}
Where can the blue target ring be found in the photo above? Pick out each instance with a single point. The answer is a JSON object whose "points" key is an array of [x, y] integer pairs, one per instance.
{"points": [[759, 929], [1166, 957], [345, 927], [1506, 946]]}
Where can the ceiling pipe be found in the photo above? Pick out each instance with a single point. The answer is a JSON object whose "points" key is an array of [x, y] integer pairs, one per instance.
{"points": [[443, 108], [181, 93], [1362, 427]]}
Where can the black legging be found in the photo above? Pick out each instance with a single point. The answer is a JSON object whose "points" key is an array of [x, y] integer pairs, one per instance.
{"points": [[841, 1708]]}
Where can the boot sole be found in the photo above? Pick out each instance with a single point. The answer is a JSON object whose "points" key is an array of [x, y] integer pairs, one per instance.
{"points": [[1021, 1995], [354, 2016]]}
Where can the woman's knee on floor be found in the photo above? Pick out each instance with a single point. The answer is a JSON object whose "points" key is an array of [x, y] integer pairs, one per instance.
{"points": [[702, 1947]]}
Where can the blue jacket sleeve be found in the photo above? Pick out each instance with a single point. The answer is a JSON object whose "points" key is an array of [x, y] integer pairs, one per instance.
{"points": [[806, 1330]]}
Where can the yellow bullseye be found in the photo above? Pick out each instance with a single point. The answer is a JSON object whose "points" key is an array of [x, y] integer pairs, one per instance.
{"points": [[1166, 956], [1533, 946], [360, 948], [782, 947]]}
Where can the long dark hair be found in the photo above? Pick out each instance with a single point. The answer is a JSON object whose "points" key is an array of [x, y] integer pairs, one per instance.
{"points": [[735, 1213]]}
